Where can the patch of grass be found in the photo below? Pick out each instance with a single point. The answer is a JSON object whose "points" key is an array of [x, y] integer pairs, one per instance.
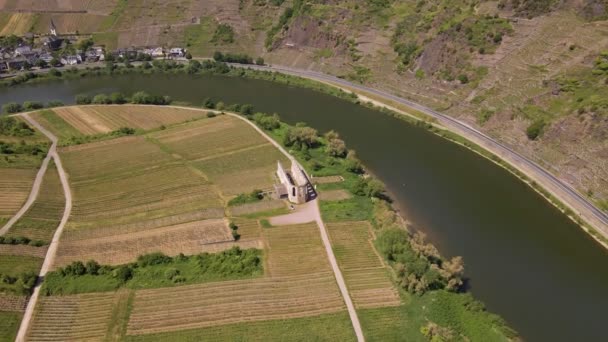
{"points": [[265, 223], [224, 34], [117, 12], [57, 125], [19, 272], [328, 327], [9, 324], [357, 208], [107, 39], [157, 270], [197, 37]]}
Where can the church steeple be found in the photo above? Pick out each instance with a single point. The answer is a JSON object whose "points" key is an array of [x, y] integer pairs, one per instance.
{"points": [[53, 28]]}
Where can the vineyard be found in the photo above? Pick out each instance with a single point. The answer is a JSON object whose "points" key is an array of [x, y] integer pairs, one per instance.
{"points": [[367, 278], [72, 318], [140, 183], [196, 306], [9, 324], [328, 327], [15, 186], [295, 250], [103, 119], [209, 138], [188, 238], [41, 220]]}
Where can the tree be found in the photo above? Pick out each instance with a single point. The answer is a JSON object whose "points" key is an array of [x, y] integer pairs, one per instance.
{"points": [[336, 148], [259, 61], [188, 55], [246, 109], [209, 103], [535, 129], [118, 98], [12, 107], [55, 62], [92, 267], [267, 122], [101, 99], [83, 99], [300, 136], [32, 105], [41, 63], [84, 45]]}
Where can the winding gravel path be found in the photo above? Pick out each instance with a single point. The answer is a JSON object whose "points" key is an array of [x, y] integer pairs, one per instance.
{"points": [[33, 193], [315, 213], [52, 251]]}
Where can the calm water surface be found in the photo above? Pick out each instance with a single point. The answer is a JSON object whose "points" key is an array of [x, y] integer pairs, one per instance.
{"points": [[525, 260]]}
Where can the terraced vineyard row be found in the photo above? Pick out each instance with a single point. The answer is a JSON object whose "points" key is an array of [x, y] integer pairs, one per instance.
{"points": [[41, 220], [367, 278], [12, 303], [24, 250], [219, 303], [243, 170], [188, 238], [103, 119], [16, 185], [295, 250], [144, 183], [72, 318], [206, 138]]}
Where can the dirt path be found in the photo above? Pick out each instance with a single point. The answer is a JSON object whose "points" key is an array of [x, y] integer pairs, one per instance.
{"points": [[35, 189], [312, 209], [52, 250]]}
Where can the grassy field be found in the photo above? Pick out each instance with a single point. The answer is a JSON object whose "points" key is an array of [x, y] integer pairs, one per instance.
{"points": [[15, 266], [41, 220], [9, 324], [328, 327]]}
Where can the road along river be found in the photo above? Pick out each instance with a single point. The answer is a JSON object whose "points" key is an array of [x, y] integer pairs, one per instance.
{"points": [[525, 260]]}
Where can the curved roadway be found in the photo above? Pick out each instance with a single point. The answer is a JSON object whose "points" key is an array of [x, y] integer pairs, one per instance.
{"points": [[582, 206]]}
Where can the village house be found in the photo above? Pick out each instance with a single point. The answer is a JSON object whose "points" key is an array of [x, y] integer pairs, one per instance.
{"points": [[71, 60], [294, 185], [176, 52], [52, 42]]}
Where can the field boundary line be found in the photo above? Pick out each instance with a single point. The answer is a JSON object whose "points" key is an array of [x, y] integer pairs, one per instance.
{"points": [[52, 250]]}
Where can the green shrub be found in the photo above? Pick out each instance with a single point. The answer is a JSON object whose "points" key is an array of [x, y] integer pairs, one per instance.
{"points": [[12, 107], [535, 129]]}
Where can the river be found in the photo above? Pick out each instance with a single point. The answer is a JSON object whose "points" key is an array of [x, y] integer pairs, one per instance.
{"points": [[524, 259]]}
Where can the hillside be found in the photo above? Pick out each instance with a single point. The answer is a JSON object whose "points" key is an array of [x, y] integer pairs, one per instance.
{"points": [[530, 73]]}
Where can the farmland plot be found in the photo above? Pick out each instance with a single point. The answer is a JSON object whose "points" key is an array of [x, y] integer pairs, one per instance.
{"points": [[41, 220], [15, 186], [103, 119], [243, 171], [207, 138], [73, 318], [295, 250], [140, 183], [188, 238], [365, 274], [9, 324], [328, 327], [210, 304]]}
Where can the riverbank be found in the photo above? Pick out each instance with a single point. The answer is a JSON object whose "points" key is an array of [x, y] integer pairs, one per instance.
{"points": [[590, 218], [567, 200]]}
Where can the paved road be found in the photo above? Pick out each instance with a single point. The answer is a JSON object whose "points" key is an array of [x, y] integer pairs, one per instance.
{"points": [[52, 250], [312, 208], [581, 205]]}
